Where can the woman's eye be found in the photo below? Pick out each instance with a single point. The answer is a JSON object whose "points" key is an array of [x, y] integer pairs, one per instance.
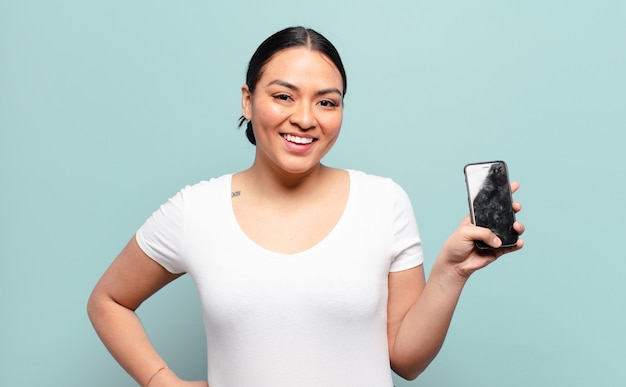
{"points": [[327, 103], [282, 97]]}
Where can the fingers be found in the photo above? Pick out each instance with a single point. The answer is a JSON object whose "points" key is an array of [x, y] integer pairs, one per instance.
{"points": [[492, 240], [487, 236], [517, 226], [517, 206], [483, 234]]}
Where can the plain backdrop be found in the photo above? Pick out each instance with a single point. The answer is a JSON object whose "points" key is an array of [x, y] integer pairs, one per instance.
{"points": [[107, 108]]}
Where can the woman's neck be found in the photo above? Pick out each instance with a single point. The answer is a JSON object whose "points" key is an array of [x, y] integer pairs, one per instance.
{"points": [[270, 183]]}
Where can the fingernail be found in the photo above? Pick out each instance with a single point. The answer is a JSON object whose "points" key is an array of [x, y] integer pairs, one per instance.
{"points": [[496, 241]]}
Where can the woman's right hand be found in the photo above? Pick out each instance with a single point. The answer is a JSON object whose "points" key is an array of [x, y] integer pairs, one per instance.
{"points": [[169, 379], [128, 282]]}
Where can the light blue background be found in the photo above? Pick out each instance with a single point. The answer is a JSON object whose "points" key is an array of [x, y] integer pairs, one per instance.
{"points": [[108, 108]]}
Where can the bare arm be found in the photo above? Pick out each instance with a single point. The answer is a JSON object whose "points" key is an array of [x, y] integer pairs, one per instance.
{"points": [[419, 313], [419, 316], [130, 280]]}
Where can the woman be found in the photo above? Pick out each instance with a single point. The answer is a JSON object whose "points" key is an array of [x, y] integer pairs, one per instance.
{"points": [[307, 275]]}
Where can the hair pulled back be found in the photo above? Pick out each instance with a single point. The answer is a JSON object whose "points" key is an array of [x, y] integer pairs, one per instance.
{"points": [[290, 37]]}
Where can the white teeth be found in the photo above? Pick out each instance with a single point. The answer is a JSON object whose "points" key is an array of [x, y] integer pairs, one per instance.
{"points": [[298, 140]]}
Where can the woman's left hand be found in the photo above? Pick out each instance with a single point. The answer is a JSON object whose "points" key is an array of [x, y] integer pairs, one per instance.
{"points": [[460, 252]]}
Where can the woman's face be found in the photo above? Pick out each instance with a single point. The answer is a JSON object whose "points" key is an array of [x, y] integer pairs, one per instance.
{"points": [[296, 110]]}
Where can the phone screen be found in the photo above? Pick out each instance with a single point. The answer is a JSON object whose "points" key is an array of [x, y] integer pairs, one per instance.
{"points": [[490, 201]]}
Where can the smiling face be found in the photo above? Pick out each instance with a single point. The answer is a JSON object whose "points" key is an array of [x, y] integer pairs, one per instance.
{"points": [[296, 110]]}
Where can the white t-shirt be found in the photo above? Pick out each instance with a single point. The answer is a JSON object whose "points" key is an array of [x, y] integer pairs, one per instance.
{"points": [[315, 318]]}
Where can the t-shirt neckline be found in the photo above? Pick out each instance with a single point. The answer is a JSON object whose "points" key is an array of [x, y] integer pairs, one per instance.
{"points": [[329, 236]]}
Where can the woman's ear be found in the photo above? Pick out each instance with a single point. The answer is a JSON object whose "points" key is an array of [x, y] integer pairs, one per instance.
{"points": [[246, 102]]}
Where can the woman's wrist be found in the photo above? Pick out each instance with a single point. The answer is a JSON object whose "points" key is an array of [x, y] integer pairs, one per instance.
{"points": [[163, 368], [162, 377], [447, 274]]}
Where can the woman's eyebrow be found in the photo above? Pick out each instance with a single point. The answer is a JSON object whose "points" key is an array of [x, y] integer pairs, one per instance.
{"points": [[285, 84], [293, 87], [330, 90]]}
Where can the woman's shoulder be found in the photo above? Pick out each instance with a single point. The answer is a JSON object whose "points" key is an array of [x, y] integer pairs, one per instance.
{"points": [[363, 177], [213, 184], [374, 186]]}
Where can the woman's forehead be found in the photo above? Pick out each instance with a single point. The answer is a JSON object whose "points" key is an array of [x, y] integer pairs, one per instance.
{"points": [[300, 63]]}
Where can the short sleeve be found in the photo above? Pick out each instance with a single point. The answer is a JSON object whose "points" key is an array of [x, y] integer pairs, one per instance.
{"points": [[407, 244], [161, 236]]}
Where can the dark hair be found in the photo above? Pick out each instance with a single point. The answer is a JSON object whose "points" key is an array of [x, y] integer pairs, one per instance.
{"points": [[288, 38]]}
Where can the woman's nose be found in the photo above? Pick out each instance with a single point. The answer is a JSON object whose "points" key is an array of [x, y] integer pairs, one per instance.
{"points": [[303, 116]]}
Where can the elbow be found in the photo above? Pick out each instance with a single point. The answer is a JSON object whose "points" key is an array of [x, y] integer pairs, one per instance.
{"points": [[408, 368], [97, 306], [406, 374], [93, 307], [102, 308], [409, 364]]}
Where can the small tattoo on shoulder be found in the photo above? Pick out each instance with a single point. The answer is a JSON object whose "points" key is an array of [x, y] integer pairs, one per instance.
{"points": [[235, 194]]}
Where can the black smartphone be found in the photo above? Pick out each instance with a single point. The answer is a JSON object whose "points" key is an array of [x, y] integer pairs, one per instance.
{"points": [[490, 200]]}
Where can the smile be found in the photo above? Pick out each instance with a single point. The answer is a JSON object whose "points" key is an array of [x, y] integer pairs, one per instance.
{"points": [[298, 140]]}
